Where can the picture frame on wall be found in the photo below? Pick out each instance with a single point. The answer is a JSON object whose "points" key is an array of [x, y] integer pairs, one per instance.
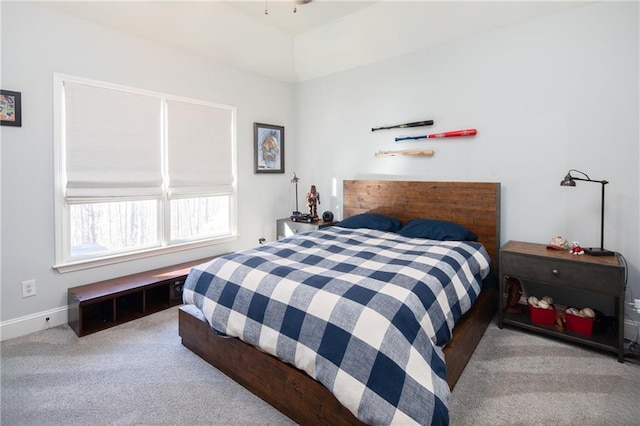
{"points": [[10, 108], [268, 148]]}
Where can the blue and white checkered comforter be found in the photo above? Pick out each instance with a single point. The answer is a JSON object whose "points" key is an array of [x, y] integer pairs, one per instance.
{"points": [[364, 312]]}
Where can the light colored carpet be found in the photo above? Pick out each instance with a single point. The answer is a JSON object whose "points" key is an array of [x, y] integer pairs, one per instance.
{"points": [[140, 374], [520, 378], [137, 373]]}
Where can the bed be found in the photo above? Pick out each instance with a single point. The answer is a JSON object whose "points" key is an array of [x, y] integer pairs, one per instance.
{"points": [[473, 205]]}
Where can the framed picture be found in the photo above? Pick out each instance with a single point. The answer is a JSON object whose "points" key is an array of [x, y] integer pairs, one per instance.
{"points": [[268, 148], [10, 108]]}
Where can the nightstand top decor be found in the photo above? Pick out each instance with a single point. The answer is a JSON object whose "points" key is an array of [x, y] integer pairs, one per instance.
{"points": [[320, 222], [538, 249]]}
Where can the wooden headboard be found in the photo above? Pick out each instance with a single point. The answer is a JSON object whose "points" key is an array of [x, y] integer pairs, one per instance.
{"points": [[475, 205]]}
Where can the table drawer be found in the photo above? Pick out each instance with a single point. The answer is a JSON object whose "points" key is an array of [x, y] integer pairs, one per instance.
{"points": [[297, 227], [292, 228], [288, 228], [560, 272]]}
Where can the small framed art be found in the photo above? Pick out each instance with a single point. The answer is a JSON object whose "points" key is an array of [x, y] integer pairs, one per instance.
{"points": [[10, 108], [268, 148]]}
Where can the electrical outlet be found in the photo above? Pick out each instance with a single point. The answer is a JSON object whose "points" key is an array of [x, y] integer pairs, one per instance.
{"points": [[28, 288]]}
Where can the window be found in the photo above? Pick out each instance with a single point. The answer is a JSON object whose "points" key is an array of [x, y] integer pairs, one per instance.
{"points": [[139, 172]]}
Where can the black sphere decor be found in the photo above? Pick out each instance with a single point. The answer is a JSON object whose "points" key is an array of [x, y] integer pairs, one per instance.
{"points": [[327, 216]]}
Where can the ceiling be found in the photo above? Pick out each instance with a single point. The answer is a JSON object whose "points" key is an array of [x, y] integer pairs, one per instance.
{"points": [[320, 38], [309, 14]]}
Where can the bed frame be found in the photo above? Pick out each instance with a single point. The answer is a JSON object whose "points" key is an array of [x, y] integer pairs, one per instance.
{"points": [[475, 205]]}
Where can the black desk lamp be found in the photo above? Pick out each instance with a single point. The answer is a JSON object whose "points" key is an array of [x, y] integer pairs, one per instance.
{"points": [[295, 180], [571, 181]]}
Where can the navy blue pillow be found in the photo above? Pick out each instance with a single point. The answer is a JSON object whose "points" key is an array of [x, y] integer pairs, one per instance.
{"points": [[434, 229], [371, 221]]}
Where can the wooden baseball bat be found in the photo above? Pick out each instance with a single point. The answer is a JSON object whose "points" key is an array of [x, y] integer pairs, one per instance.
{"points": [[416, 153], [406, 125], [451, 134]]}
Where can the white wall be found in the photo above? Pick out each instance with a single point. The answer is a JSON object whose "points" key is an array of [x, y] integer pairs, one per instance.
{"points": [[36, 43], [552, 94]]}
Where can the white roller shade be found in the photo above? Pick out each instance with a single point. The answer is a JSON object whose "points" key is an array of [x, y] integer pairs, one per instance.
{"points": [[112, 142], [200, 141]]}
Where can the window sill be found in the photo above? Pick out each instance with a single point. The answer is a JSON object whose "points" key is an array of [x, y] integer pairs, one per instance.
{"points": [[110, 260]]}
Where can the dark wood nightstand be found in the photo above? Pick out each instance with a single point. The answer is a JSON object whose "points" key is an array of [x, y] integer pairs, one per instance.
{"points": [[286, 227], [603, 275]]}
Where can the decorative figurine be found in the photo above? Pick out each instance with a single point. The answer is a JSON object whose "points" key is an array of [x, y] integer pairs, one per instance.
{"points": [[514, 290], [313, 199], [576, 249], [558, 243]]}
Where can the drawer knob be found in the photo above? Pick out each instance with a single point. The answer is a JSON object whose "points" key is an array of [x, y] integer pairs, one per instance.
{"points": [[555, 272]]}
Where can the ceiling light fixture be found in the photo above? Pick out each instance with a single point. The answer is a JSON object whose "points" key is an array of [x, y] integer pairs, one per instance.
{"points": [[295, 3]]}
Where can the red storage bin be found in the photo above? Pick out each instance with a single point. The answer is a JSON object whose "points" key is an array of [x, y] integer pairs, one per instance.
{"points": [[542, 316], [578, 324]]}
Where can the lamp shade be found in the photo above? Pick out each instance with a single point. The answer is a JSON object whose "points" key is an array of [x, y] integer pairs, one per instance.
{"points": [[568, 181]]}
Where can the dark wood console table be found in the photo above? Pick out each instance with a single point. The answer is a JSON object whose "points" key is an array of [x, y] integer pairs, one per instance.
{"points": [[603, 275]]}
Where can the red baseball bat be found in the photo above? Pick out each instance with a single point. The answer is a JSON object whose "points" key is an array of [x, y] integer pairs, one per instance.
{"points": [[451, 134]]}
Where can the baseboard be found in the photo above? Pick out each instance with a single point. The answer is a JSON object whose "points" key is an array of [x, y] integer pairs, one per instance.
{"points": [[31, 323]]}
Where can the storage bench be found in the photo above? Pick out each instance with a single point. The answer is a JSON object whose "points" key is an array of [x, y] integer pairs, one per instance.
{"points": [[98, 306]]}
